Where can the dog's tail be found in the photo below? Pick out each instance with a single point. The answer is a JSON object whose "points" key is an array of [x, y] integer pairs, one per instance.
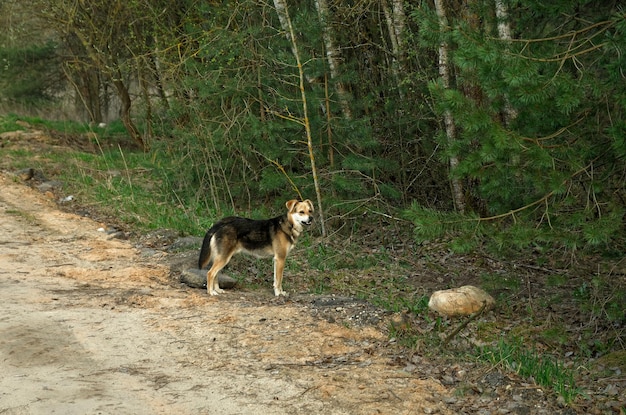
{"points": [[205, 252]]}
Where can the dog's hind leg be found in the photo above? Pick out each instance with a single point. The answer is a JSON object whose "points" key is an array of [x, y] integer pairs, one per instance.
{"points": [[218, 252], [205, 252], [212, 282], [220, 260]]}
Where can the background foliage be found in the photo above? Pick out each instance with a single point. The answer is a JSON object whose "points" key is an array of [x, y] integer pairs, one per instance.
{"points": [[210, 92]]}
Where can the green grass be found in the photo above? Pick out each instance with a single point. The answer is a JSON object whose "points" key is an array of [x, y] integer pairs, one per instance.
{"points": [[130, 187], [543, 369], [498, 282], [22, 215], [325, 257], [9, 123], [395, 303]]}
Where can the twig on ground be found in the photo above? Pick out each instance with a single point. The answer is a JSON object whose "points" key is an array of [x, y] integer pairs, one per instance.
{"points": [[464, 324]]}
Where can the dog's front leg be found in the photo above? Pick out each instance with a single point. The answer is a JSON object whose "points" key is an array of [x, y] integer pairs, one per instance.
{"points": [[279, 267]]}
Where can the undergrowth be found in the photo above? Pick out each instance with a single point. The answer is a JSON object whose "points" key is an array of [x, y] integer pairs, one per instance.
{"points": [[512, 354]]}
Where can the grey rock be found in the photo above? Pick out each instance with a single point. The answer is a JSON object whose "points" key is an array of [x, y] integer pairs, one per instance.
{"points": [[49, 186], [196, 278], [25, 174], [185, 243]]}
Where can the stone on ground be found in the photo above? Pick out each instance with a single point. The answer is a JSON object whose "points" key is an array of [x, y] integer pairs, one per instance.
{"points": [[196, 278], [460, 301]]}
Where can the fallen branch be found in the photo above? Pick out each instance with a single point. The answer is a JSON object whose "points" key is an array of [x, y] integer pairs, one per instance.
{"points": [[464, 324]]}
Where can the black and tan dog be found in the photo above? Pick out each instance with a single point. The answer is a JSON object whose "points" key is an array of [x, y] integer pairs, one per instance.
{"points": [[261, 238]]}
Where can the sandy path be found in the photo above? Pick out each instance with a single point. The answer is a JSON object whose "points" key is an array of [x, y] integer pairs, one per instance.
{"points": [[89, 325]]}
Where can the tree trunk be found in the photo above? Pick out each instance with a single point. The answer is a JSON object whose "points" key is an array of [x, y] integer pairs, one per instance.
{"points": [[504, 31], [94, 97], [111, 68], [155, 67], [399, 19], [444, 72], [283, 17], [84, 79], [333, 57], [87, 90], [396, 23], [145, 90], [122, 93]]}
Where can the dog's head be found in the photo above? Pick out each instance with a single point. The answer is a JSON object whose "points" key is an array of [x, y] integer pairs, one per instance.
{"points": [[301, 212]]}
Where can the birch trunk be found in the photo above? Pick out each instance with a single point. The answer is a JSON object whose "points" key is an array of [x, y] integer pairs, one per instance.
{"points": [[504, 31], [396, 23], [399, 18], [283, 17], [333, 56], [444, 73]]}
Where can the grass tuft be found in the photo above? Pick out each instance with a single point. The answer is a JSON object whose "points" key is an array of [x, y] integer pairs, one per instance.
{"points": [[543, 369]]}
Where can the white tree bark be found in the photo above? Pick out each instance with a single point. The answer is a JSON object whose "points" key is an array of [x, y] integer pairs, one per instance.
{"points": [[396, 24], [444, 73], [504, 31], [333, 56], [399, 18], [283, 17]]}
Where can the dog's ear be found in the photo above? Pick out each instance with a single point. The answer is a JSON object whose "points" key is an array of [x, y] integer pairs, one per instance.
{"points": [[290, 204], [308, 202]]}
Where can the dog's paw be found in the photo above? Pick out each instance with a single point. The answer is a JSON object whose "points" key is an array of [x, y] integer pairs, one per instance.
{"points": [[216, 291], [278, 293]]}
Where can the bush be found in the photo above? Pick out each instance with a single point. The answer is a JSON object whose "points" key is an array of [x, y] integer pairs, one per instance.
{"points": [[29, 75]]}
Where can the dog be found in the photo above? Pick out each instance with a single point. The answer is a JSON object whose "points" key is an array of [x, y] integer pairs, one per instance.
{"points": [[261, 238]]}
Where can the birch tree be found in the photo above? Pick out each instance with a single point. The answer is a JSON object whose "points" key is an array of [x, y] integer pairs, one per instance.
{"points": [[451, 133], [333, 56], [504, 32], [396, 25]]}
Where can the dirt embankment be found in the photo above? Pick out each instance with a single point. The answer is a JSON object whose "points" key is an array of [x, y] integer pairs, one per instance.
{"points": [[94, 325]]}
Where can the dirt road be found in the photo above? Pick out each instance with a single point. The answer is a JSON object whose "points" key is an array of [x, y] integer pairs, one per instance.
{"points": [[93, 325]]}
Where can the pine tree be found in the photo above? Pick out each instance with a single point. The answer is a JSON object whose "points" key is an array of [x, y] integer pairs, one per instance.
{"points": [[553, 174]]}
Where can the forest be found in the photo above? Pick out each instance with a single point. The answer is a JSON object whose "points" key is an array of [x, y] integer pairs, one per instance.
{"points": [[498, 123]]}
